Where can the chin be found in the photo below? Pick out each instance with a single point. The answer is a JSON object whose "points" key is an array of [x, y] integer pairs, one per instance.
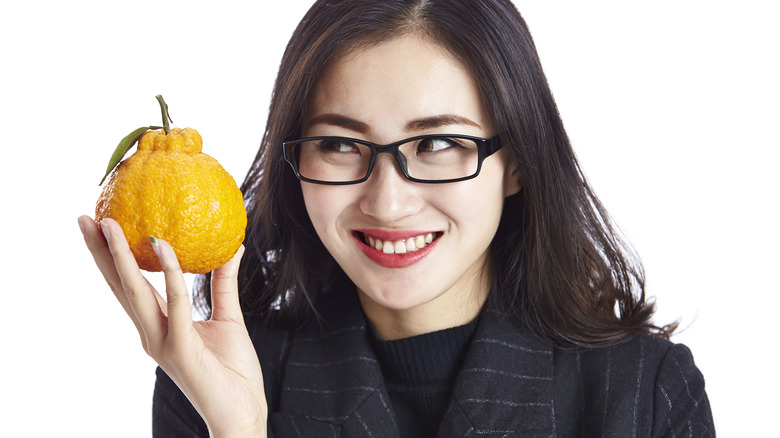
{"points": [[396, 299]]}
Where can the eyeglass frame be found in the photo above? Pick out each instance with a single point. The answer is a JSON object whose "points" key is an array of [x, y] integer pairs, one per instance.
{"points": [[485, 148]]}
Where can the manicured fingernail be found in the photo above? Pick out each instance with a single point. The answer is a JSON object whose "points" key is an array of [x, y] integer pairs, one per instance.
{"points": [[82, 227], [155, 246], [105, 230]]}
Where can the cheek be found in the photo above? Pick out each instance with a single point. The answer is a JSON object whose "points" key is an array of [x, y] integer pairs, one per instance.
{"points": [[489, 188], [482, 206], [317, 205], [474, 204], [326, 205]]}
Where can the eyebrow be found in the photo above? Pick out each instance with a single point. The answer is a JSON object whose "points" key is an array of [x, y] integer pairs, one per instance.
{"points": [[341, 121], [413, 125], [439, 121]]}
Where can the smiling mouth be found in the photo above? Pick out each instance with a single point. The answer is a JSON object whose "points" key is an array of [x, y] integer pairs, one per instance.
{"points": [[402, 246]]}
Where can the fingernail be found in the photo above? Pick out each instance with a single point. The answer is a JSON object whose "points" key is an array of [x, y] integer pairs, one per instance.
{"points": [[82, 227], [155, 246], [105, 230]]}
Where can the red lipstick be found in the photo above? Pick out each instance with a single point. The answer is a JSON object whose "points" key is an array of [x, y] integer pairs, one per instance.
{"points": [[394, 260]]}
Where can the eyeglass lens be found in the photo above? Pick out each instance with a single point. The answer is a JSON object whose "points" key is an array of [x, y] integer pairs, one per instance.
{"points": [[431, 158]]}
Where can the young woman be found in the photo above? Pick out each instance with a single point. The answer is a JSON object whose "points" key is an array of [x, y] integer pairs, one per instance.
{"points": [[423, 256]]}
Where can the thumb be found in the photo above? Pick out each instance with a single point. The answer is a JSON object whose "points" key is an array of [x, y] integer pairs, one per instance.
{"points": [[224, 290]]}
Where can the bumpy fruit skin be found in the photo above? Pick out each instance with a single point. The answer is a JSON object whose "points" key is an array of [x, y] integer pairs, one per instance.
{"points": [[171, 190]]}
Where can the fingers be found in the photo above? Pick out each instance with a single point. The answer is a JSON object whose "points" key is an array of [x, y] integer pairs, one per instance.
{"points": [[179, 308], [140, 296], [97, 245], [224, 290], [140, 301]]}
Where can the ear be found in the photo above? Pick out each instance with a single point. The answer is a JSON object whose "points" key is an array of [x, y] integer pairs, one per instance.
{"points": [[511, 179]]}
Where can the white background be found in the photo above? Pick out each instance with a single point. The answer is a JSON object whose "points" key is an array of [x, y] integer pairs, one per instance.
{"points": [[672, 107]]}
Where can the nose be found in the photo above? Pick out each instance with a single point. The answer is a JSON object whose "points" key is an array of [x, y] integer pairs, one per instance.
{"points": [[388, 196]]}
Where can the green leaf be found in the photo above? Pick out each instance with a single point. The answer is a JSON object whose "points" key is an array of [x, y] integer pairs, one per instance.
{"points": [[123, 147]]}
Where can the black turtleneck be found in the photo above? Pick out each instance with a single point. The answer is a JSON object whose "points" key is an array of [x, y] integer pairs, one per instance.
{"points": [[419, 373]]}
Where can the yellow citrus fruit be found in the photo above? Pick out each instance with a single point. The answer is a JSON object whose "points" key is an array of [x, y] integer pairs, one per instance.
{"points": [[169, 189]]}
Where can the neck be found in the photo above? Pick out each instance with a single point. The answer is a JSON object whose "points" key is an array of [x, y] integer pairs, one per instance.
{"points": [[445, 311]]}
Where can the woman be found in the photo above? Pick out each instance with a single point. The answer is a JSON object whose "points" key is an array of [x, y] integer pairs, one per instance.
{"points": [[467, 282]]}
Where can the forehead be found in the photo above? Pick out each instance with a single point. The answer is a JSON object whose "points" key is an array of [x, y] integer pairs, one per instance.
{"points": [[398, 80]]}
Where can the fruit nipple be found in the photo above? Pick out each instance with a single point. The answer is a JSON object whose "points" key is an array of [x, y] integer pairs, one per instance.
{"points": [[178, 140]]}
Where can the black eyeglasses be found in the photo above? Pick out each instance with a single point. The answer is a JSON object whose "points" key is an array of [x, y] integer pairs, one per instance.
{"points": [[433, 159]]}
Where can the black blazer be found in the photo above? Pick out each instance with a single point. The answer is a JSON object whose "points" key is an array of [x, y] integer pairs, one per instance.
{"points": [[324, 381]]}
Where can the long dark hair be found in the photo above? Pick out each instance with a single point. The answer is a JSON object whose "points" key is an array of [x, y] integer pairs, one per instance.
{"points": [[558, 263]]}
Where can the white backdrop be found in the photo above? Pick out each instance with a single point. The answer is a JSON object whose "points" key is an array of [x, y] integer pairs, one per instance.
{"points": [[671, 107]]}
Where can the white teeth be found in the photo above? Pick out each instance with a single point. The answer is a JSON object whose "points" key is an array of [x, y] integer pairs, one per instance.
{"points": [[399, 246]]}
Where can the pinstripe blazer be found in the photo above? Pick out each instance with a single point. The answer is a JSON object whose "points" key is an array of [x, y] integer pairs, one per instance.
{"points": [[324, 381]]}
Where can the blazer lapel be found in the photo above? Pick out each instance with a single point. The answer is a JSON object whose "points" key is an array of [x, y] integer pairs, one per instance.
{"points": [[505, 387], [332, 384]]}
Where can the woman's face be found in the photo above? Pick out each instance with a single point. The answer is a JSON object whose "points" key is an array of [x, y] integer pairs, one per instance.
{"points": [[399, 89]]}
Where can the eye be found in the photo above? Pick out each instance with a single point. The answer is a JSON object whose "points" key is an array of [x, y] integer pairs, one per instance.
{"points": [[436, 144], [337, 145]]}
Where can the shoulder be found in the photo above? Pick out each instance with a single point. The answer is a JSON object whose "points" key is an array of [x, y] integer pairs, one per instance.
{"points": [[647, 361], [644, 384], [639, 356], [679, 388]]}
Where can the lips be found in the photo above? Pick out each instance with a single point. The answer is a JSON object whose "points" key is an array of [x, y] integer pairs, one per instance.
{"points": [[395, 249]]}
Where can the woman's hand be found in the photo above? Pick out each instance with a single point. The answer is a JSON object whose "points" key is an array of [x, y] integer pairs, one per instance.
{"points": [[213, 362]]}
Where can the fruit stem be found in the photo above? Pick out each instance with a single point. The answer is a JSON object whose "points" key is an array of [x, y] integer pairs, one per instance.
{"points": [[165, 116]]}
